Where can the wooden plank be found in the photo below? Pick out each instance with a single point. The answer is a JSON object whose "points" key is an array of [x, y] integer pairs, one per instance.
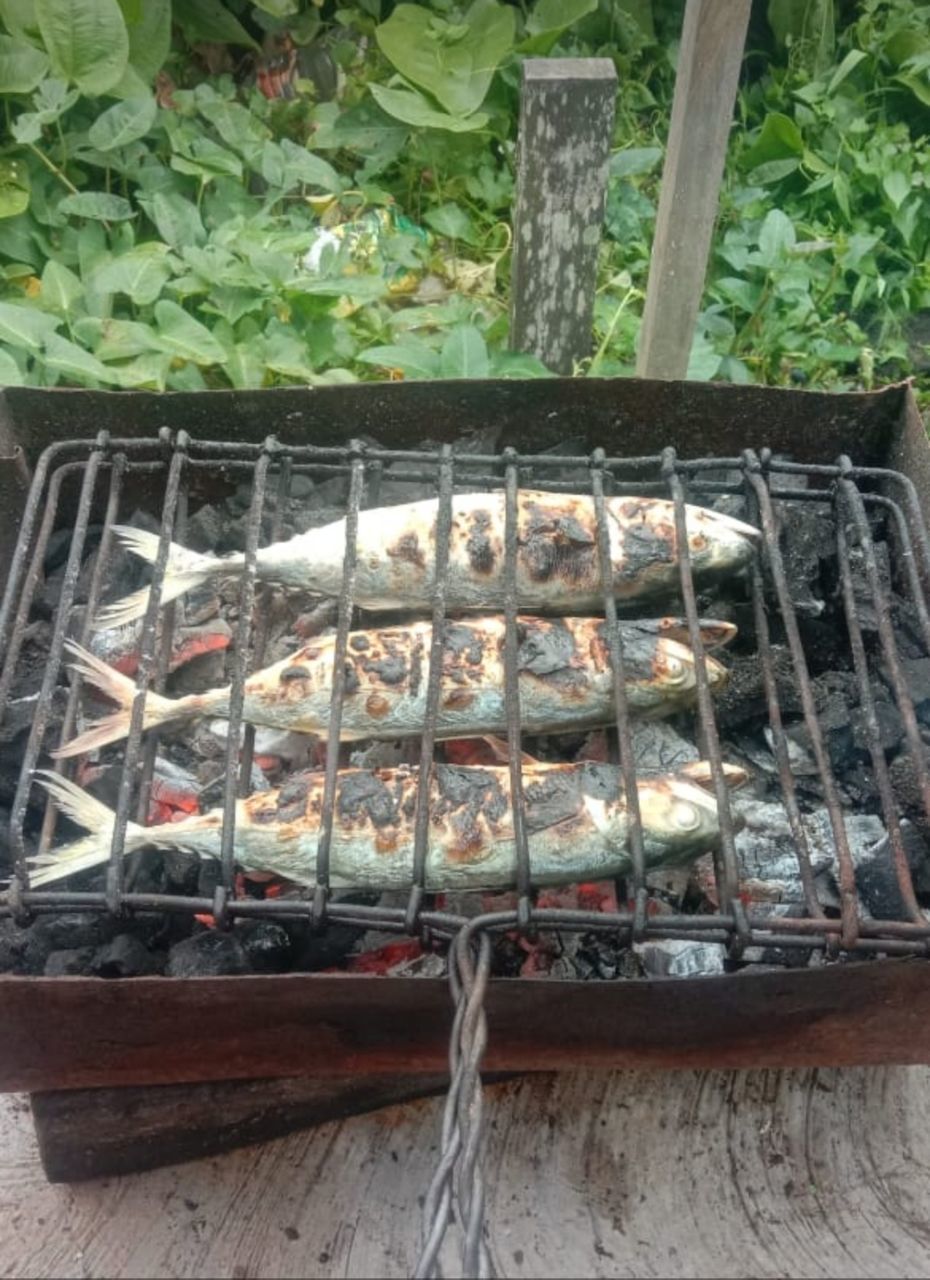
{"points": [[814, 1173], [86, 1033], [99, 1133], [709, 59], [563, 146]]}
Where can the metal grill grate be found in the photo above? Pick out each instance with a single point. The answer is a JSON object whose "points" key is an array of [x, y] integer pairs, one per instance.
{"points": [[102, 469]]}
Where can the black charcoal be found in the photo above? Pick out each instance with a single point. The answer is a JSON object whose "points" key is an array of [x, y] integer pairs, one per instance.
{"points": [[808, 539], [266, 945], [75, 963], [744, 696], [125, 957], [65, 932], [211, 954], [658, 748]]}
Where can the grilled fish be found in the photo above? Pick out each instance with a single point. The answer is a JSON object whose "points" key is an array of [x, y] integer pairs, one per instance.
{"points": [[557, 570], [576, 818], [565, 681]]}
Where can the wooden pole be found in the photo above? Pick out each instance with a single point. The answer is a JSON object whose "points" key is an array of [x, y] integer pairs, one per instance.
{"points": [[566, 126], [709, 59]]}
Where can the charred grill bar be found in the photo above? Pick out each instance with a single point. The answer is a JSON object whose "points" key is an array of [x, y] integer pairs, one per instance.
{"points": [[103, 465]]}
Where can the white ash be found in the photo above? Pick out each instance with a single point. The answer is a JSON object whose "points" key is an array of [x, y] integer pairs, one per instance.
{"points": [[680, 958], [293, 748]]}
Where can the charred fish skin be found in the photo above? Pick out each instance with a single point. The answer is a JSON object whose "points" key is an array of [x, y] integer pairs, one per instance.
{"points": [[557, 563], [576, 816], [564, 677]]}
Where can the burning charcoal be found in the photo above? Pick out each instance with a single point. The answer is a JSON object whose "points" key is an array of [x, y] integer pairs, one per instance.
{"points": [[266, 945], [125, 957], [744, 696], [658, 748], [312, 950], [75, 963], [208, 955], [680, 958]]}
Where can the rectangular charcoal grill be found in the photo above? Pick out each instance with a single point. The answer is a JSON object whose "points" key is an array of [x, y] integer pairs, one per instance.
{"points": [[857, 459]]}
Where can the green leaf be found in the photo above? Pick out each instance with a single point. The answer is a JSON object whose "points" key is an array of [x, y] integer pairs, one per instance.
{"points": [[210, 20], [25, 327], [141, 273], [849, 64], [779, 137], [703, 361], [549, 19], [19, 17], [414, 361], [896, 186], [634, 160], [518, 364], [115, 339], [67, 358], [61, 288], [14, 187], [286, 355], [122, 123], [86, 41], [148, 372], [454, 63], [773, 171], [451, 220], [464, 354], [10, 372], [364, 128], [278, 8], [148, 23], [776, 237], [177, 219], [22, 65], [203, 158], [181, 335], [100, 205], [917, 85], [302, 166], [413, 108]]}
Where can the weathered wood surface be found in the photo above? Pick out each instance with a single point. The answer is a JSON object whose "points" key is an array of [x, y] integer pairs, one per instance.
{"points": [[709, 59], [94, 1133], [563, 145], [71, 1033], [811, 1173]]}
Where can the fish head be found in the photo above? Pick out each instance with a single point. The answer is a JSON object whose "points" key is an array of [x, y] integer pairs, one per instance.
{"points": [[679, 812], [715, 634], [675, 671], [717, 543]]}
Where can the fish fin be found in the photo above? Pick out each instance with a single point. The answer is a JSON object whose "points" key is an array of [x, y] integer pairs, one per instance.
{"points": [[92, 850], [121, 690], [184, 570]]}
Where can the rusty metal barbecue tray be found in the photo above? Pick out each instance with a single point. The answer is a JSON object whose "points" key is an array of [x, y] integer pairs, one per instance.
{"points": [[74, 480]]}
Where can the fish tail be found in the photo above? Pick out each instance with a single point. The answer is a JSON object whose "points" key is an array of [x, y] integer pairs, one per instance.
{"points": [[184, 571], [122, 690], [91, 850]]}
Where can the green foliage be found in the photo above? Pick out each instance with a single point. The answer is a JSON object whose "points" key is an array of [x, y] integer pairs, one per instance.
{"points": [[211, 237]]}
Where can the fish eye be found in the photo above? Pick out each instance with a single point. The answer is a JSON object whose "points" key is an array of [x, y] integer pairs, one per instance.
{"points": [[685, 817], [674, 669]]}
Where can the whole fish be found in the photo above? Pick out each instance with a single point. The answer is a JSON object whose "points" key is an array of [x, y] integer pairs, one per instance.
{"points": [[557, 570], [576, 817], [564, 671]]}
